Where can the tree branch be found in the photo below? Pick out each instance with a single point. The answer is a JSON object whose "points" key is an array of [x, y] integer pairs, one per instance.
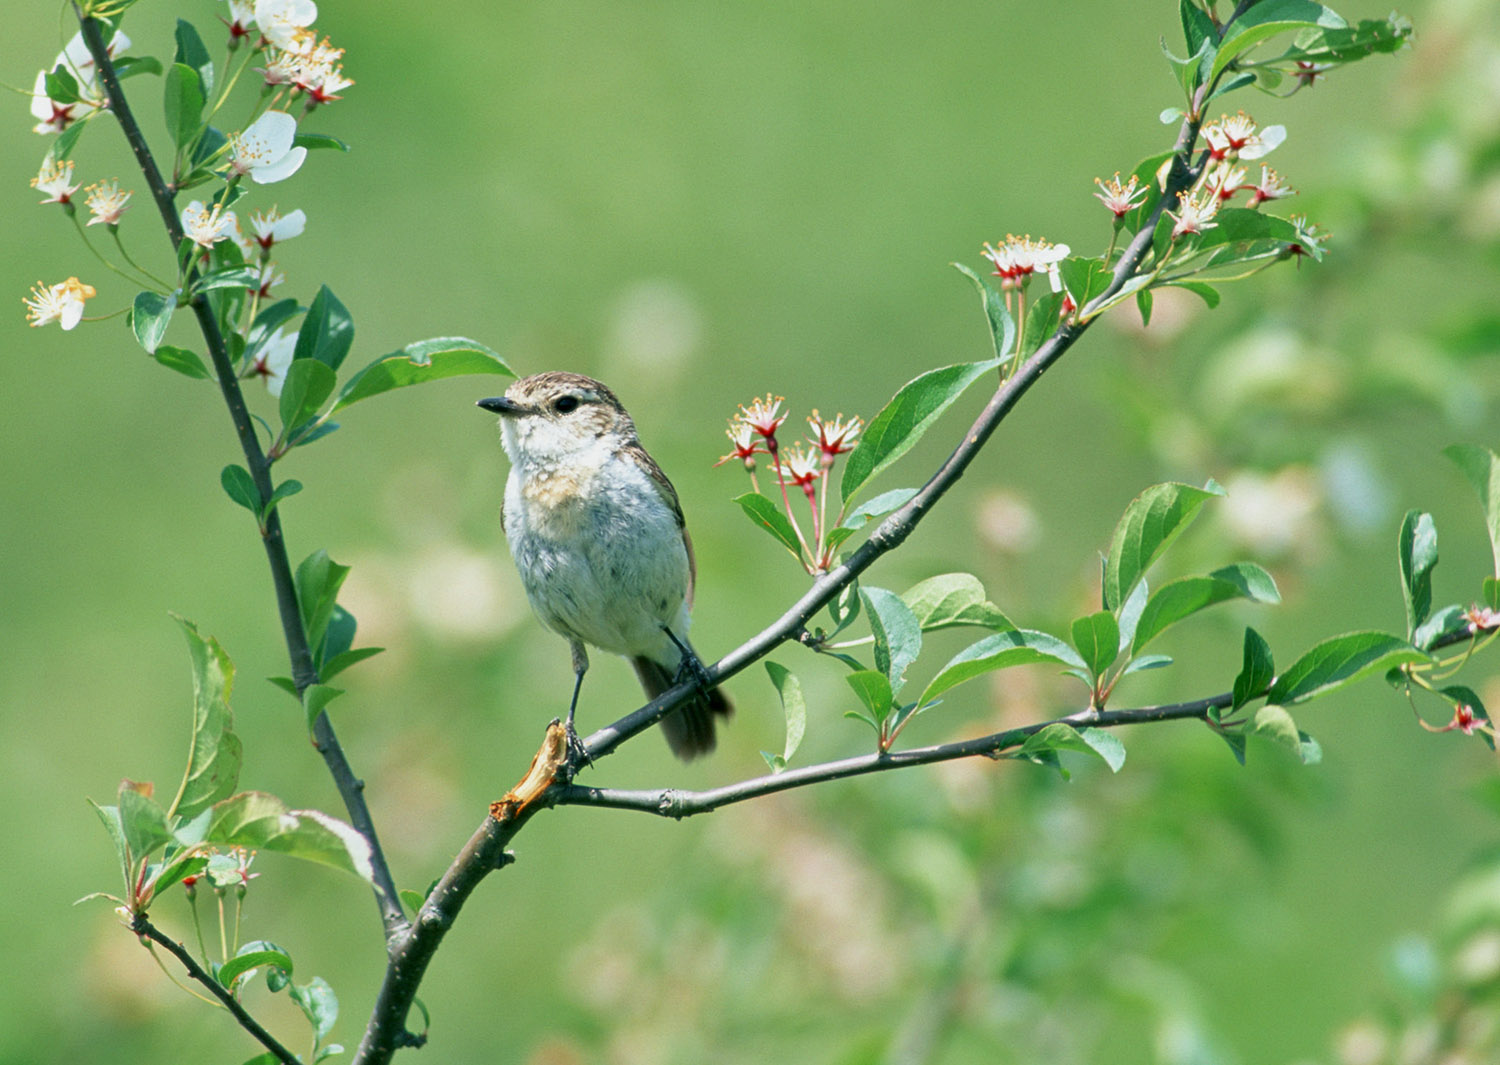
{"points": [[411, 951], [669, 802], [141, 926], [304, 673], [894, 530]]}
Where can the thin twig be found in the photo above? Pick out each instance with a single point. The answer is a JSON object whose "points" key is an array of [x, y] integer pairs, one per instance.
{"points": [[304, 673], [669, 802], [141, 926]]}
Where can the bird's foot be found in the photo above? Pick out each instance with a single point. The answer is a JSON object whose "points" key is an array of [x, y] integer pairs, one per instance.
{"points": [[690, 668], [578, 756]]}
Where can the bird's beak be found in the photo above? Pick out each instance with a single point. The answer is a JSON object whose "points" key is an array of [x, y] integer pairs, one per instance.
{"points": [[502, 406]]}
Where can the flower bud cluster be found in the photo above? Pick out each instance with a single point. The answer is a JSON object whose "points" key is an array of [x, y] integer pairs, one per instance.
{"points": [[803, 464]]}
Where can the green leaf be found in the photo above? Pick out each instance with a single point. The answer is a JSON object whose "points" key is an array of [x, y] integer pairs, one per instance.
{"points": [[1339, 661], [1084, 278], [240, 487], [1257, 672], [1016, 647], [1145, 662], [1490, 590], [315, 697], [339, 634], [1182, 598], [308, 383], [874, 690], [1130, 611], [1417, 554], [898, 636], [260, 821], [143, 823], [881, 505], [1143, 302], [1097, 638], [192, 53], [1241, 225], [318, 581], [342, 661], [1002, 326], [1207, 293], [1042, 746], [150, 315], [768, 516], [953, 599], [412, 900], [67, 140], [182, 360], [110, 817], [1236, 741], [1151, 522], [183, 103], [1264, 21], [1189, 71], [1449, 621], [214, 754], [789, 688], [1106, 745], [1275, 724], [62, 87], [267, 321], [1482, 468], [905, 419], [248, 959], [327, 332], [314, 141], [419, 362], [283, 490], [1197, 27], [318, 1004], [128, 66], [246, 277], [1041, 321]]}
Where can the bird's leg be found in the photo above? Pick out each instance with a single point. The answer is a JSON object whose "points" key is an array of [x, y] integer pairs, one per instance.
{"points": [[578, 754], [690, 667]]}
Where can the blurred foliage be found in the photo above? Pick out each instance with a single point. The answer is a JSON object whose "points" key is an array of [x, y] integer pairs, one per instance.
{"points": [[697, 205]]}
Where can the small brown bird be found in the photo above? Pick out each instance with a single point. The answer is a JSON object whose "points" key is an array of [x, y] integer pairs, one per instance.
{"points": [[597, 534]]}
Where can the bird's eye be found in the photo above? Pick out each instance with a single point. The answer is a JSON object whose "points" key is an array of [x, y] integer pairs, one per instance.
{"points": [[566, 404]]}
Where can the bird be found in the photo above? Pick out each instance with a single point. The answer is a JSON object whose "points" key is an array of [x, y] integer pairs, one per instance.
{"points": [[598, 537]]}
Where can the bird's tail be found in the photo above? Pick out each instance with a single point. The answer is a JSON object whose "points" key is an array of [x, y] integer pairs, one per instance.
{"points": [[690, 728]]}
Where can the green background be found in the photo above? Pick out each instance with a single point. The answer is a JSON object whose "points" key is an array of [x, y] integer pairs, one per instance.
{"points": [[698, 204]]}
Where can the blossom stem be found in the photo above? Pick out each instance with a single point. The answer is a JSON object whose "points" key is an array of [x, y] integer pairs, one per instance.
{"points": [[198, 925], [230, 82], [1020, 332], [1114, 236], [200, 996], [115, 232], [89, 244], [786, 501]]}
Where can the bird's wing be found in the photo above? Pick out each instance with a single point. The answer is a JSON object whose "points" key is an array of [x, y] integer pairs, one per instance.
{"points": [[669, 497]]}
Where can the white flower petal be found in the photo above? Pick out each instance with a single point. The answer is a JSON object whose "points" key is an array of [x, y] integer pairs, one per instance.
{"points": [[41, 106], [280, 170], [72, 313]]}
